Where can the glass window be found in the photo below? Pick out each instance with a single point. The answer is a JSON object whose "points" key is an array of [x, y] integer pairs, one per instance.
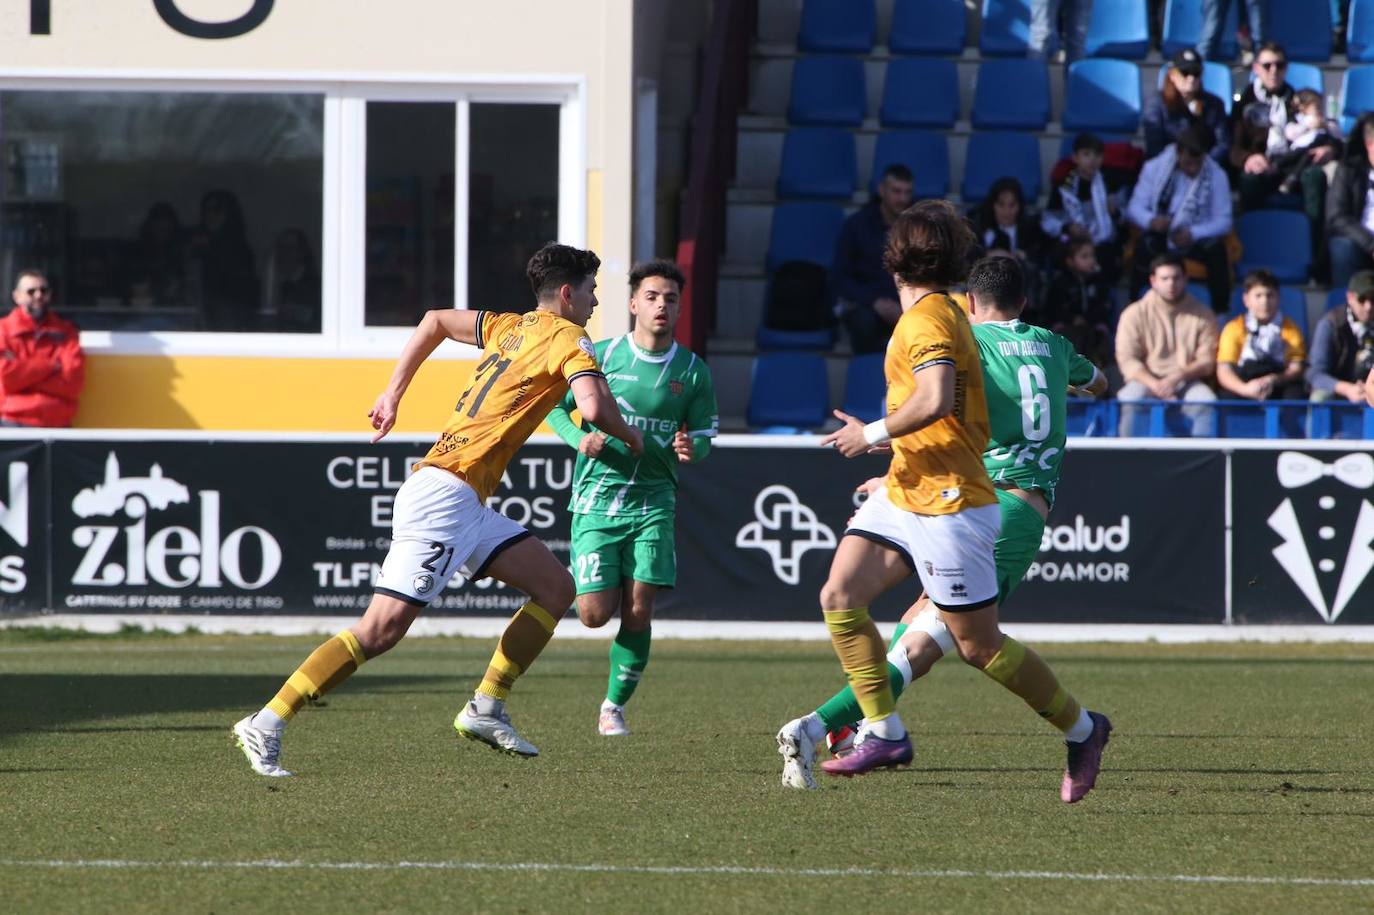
{"points": [[411, 150], [167, 211], [512, 199]]}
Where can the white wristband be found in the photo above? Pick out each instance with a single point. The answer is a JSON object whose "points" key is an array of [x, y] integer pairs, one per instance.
{"points": [[875, 433]]}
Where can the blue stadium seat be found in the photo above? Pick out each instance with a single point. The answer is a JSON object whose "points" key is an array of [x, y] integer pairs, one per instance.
{"points": [[928, 27], [1006, 28], [803, 232], [1202, 294], [923, 151], [1119, 28], [1011, 94], [1183, 27], [995, 154], [1301, 76], [1335, 297], [865, 388], [1277, 240], [837, 27], [789, 390], [1359, 33], [818, 162], [1303, 27], [1357, 95], [920, 92], [770, 338], [827, 91], [1103, 95]]}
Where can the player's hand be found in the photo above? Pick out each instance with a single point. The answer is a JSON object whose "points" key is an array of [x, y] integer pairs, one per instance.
{"points": [[870, 486], [591, 444], [383, 414], [635, 441], [682, 444], [849, 438]]}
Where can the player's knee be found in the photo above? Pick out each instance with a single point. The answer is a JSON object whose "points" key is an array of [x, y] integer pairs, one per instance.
{"points": [[836, 595], [593, 614], [556, 594], [378, 632], [977, 653]]}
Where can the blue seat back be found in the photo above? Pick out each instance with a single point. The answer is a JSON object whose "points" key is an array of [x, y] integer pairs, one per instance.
{"points": [[827, 91], [1006, 28], [837, 26], [1292, 305], [1306, 76], [804, 231], [997, 153], [928, 27], [923, 151], [1278, 240], [1183, 27], [920, 92], [818, 162], [865, 388], [1359, 32], [1119, 28], [1357, 95], [1103, 95], [770, 338], [1011, 94], [1201, 293], [789, 389], [1302, 26]]}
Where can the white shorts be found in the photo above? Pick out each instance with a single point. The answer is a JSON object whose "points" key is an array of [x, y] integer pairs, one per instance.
{"points": [[440, 527], [951, 553]]}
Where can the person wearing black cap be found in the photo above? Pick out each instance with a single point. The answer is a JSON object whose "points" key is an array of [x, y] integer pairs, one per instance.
{"points": [[1343, 345], [1181, 103]]}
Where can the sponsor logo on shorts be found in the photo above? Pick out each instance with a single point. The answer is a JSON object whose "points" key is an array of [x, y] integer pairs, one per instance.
{"points": [[423, 583], [930, 567], [958, 589]]}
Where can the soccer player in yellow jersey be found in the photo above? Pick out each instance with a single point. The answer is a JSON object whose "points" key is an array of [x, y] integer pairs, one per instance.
{"points": [[440, 522], [937, 516]]}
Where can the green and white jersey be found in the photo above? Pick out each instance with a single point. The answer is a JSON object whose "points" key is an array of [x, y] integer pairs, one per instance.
{"points": [[660, 394], [1026, 372]]}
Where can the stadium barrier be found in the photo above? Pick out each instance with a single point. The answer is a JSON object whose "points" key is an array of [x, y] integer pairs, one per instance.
{"points": [[1144, 531]]}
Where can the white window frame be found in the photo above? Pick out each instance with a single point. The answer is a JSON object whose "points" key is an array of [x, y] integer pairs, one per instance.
{"points": [[343, 333]]}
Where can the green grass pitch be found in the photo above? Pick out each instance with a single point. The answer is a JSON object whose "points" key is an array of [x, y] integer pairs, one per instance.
{"points": [[120, 789]]}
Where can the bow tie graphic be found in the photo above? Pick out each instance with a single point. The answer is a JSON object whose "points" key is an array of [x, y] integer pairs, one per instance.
{"points": [[1297, 470]]}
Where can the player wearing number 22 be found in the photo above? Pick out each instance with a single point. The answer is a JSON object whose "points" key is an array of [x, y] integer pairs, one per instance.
{"points": [[440, 522], [623, 505]]}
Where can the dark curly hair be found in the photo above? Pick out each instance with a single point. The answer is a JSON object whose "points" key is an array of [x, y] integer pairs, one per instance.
{"points": [[929, 246], [660, 267], [555, 265]]}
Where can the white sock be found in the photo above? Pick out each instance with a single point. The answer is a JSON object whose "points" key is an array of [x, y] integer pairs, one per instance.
{"points": [[609, 706], [889, 728], [268, 720], [898, 659], [814, 727], [486, 706], [1082, 728]]}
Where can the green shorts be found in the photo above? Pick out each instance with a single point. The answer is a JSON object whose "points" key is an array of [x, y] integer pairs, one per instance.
{"points": [[1018, 543], [608, 551]]}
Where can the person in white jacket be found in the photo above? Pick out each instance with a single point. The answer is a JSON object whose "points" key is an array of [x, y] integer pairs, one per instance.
{"points": [[1182, 203]]}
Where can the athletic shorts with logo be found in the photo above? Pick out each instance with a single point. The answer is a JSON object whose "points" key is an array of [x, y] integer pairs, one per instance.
{"points": [[439, 527], [952, 554], [607, 551]]}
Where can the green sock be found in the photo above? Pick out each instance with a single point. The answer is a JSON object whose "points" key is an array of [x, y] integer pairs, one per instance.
{"points": [[843, 708], [897, 636], [629, 657]]}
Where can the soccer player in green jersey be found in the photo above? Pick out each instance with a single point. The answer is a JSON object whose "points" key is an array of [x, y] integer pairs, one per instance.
{"points": [[623, 506], [1027, 371]]}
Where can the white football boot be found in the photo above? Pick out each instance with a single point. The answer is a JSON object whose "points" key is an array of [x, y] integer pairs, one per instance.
{"points": [[261, 746], [495, 731], [611, 722], [798, 755]]}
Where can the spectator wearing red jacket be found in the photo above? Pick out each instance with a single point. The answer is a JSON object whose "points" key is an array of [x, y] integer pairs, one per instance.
{"points": [[42, 368]]}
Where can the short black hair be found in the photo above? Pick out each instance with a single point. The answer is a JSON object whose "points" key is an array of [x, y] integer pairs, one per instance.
{"points": [[1193, 140], [1000, 282], [660, 267], [899, 171], [33, 272], [1088, 141], [1273, 47], [1260, 277], [1167, 259], [555, 265]]}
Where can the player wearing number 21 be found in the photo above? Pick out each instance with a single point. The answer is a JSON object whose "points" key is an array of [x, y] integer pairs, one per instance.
{"points": [[441, 524]]}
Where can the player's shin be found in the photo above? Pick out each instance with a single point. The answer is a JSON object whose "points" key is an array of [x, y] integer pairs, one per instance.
{"points": [[327, 667], [629, 657], [525, 637], [1026, 674], [859, 646]]}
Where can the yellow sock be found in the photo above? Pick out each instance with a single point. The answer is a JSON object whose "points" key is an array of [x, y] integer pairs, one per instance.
{"points": [[327, 667], [864, 659], [1025, 673], [525, 637]]}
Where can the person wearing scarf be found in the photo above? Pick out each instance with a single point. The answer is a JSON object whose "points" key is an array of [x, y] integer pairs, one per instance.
{"points": [[1080, 209], [1343, 344], [1350, 206], [1261, 355], [1181, 102]]}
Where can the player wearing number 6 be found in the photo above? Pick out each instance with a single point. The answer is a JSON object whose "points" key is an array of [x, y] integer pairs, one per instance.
{"points": [[623, 504], [440, 521]]}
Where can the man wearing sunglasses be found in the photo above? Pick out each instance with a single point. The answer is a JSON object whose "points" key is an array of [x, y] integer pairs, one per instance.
{"points": [[42, 367]]}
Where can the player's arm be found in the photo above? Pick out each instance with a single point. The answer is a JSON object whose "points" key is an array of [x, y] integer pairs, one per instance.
{"points": [[932, 400], [693, 441], [434, 328], [598, 407], [561, 421], [1085, 378]]}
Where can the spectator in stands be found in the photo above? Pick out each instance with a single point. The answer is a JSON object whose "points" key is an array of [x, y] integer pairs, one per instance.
{"points": [[1214, 24], [1343, 344], [1310, 130], [1261, 354], [1166, 348], [223, 270], [1002, 223], [1078, 303], [868, 297], [1182, 103], [292, 301], [1182, 204], [157, 270], [42, 366], [1081, 209], [1350, 206], [1070, 18]]}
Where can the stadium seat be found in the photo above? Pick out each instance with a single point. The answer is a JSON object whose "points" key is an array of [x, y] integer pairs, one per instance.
{"points": [[1303, 27], [1357, 95], [770, 338], [865, 388], [920, 92], [1202, 294], [1103, 95], [1006, 28], [928, 27], [1011, 95], [1335, 297], [789, 390], [923, 151], [837, 27], [1277, 240], [1216, 79], [1359, 33], [1092, 418], [803, 232], [818, 162], [1183, 27], [1292, 305], [1300, 76], [995, 154], [827, 91], [1119, 28]]}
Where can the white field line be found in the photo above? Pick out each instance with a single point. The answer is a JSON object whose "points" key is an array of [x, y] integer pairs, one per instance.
{"points": [[677, 871]]}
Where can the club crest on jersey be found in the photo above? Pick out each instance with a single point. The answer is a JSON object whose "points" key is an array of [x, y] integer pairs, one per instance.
{"points": [[585, 344], [675, 388]]}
